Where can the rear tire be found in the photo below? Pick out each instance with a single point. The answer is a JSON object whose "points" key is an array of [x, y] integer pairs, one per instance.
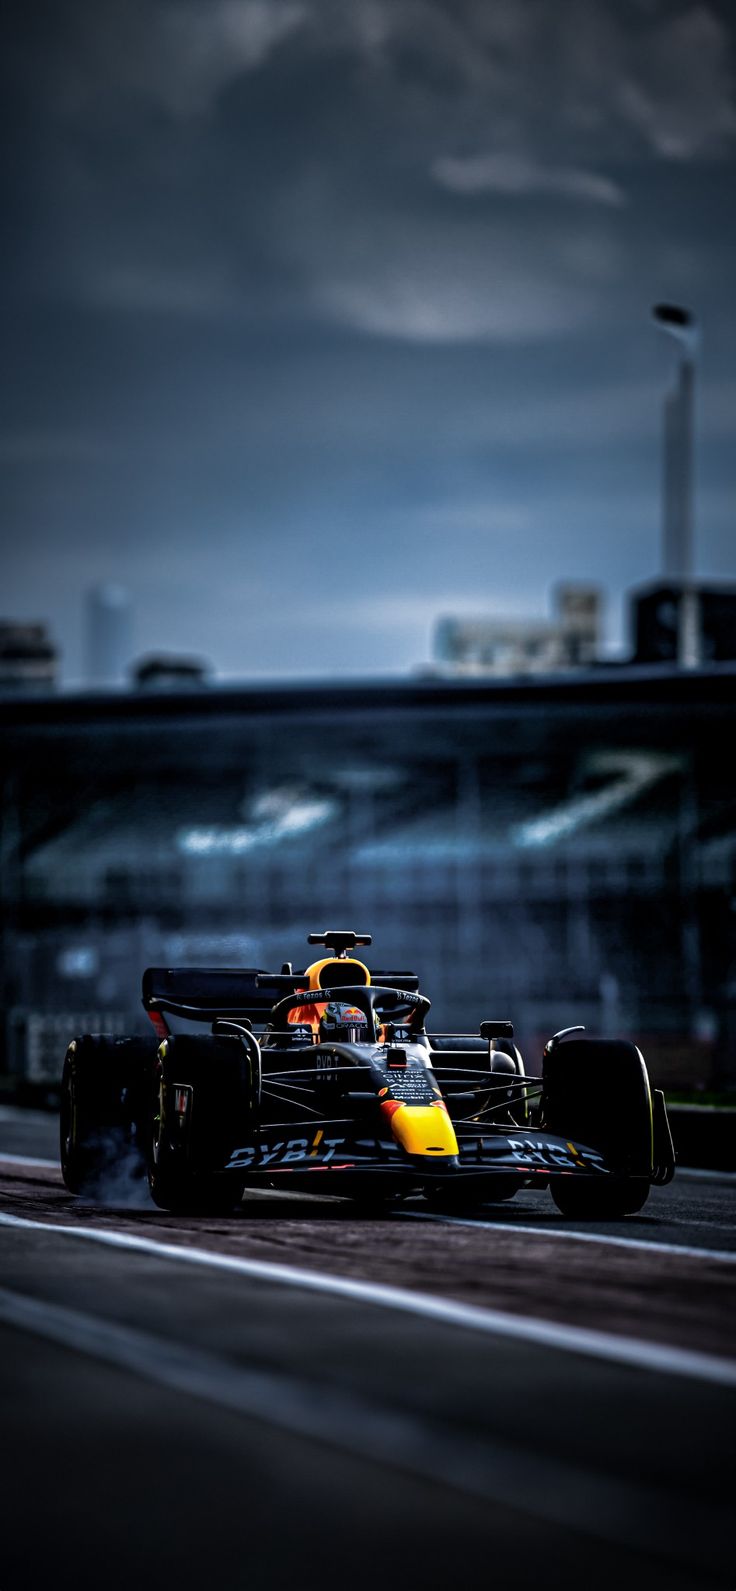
{"points": [[596, 1092], [184, 1193], [101, 1111]]}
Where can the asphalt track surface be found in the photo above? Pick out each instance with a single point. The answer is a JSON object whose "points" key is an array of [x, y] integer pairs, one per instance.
{"points": [[307, 1394]]}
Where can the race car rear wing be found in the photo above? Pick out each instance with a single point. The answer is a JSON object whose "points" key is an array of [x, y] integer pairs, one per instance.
{"points": [[201, 993]]}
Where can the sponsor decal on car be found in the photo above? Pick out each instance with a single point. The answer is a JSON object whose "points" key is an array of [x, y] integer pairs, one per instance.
{"points": [[553, 1154], [255, 1157]]}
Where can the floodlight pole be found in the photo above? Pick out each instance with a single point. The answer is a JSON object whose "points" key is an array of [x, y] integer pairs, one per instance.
{"points": [[677, 485]]}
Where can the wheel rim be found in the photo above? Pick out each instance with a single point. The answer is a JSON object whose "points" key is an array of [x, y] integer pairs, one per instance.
{"points": [[158, 1121], [68, 1111]]}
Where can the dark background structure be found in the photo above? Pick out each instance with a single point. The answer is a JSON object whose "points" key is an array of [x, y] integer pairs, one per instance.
{"points": [[554, 852]]}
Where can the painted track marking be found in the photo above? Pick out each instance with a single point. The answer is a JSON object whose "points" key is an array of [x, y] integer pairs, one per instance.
{"points": [[722, 1256], [31, 1161], [632, 1351], [604, 1506]]}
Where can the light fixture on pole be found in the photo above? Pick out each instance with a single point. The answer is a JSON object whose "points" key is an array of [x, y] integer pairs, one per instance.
{"points": [[677, 491]]}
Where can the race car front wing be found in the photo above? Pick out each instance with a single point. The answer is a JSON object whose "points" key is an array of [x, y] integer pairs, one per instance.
{"points": [[332, 1145]]}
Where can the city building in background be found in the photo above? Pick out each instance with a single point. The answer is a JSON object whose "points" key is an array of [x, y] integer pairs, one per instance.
{"points": [[656, 612], [167, 671], [29, 661], [495, 645], [678, 479], [109, 635]]}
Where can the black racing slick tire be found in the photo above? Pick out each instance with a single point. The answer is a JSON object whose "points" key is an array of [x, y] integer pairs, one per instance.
{"points": [[102, 1109], [201, 1108], [596, 1092]]}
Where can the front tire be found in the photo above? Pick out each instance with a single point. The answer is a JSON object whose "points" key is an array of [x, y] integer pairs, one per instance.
{"points": [[596, 1092], [590, 1200]]}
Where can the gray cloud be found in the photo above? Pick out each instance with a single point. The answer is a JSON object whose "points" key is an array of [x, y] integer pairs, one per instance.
{"points": [[530, 75], [508, 75], [682, 98], [461, 295], [178, 55], [517, 174], [153, 289], [293, 282], [495, 105], [448, 274]]}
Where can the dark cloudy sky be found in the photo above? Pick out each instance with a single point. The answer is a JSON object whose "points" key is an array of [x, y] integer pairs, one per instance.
{"points": [[324, 317]]}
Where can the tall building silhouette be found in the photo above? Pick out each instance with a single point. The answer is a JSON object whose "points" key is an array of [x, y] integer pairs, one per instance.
{"points": [[109, 634]]}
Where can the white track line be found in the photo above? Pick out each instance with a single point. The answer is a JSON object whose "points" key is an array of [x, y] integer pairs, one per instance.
{"points": [[606, 1506], [722, 1256], [696, 1174], [615, 1349], [30, 1161]]}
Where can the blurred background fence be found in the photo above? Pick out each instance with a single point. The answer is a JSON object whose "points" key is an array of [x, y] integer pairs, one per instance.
{"points": [[555, 851]]}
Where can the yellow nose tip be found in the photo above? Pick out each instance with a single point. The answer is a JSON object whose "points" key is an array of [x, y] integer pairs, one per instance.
{"points": [[423, 1129]]}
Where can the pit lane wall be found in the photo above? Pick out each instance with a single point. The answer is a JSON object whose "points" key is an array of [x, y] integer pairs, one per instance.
{"points": [[704, 1136]]}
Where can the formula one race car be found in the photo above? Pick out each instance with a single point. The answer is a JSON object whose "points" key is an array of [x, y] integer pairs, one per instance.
{"points": [[327, 1079]]}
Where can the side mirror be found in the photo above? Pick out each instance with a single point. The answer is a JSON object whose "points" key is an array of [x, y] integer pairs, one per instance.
{"points": [[555, 1039], [497, 1030]]}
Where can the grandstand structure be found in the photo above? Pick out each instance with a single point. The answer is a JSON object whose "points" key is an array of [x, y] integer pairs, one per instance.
{"points": [[556, 850]]}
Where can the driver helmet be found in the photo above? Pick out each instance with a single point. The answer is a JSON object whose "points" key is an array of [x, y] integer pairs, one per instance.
{"points": [[343, 1024]]}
